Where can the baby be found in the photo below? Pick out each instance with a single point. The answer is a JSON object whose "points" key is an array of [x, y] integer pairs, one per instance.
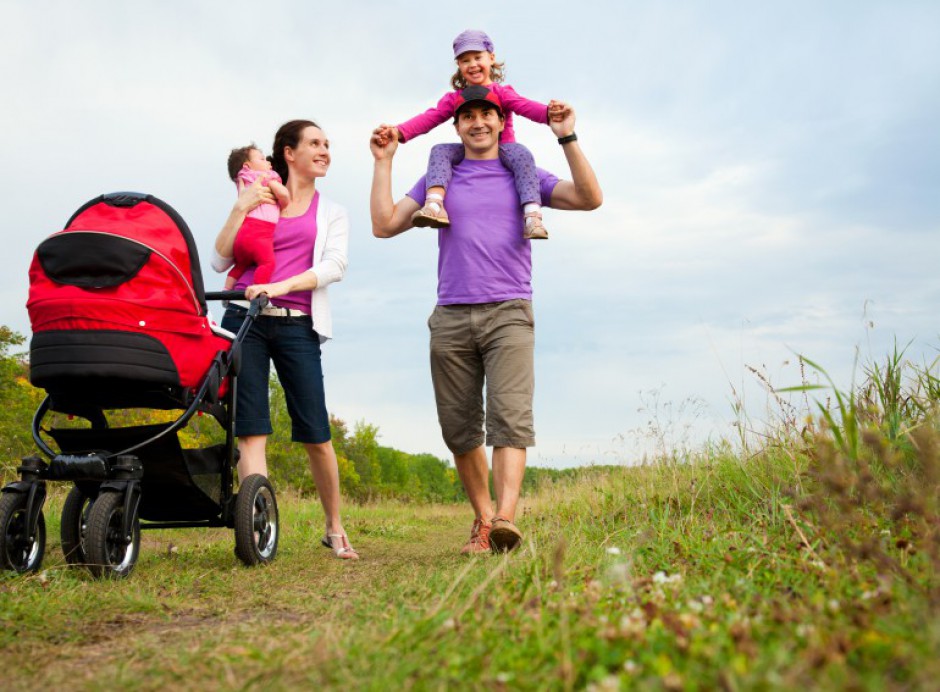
{"points": [[254, 244]]}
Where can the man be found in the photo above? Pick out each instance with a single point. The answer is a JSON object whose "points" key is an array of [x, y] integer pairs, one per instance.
{"points": [[482, 329]]}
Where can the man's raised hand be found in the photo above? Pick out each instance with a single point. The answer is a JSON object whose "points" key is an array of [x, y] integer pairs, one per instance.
{"points": [[383, 142]]}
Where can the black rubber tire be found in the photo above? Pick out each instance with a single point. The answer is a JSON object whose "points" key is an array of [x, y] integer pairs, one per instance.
{"points": [[74, 526], [108, 553], [256, 521], [16, 552]]}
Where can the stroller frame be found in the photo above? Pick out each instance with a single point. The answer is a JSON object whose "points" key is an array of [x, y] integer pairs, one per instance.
{"points": [[123, 475]]}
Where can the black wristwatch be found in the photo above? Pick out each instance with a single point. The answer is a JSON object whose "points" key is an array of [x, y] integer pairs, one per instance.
{"points": [[570, 138]]}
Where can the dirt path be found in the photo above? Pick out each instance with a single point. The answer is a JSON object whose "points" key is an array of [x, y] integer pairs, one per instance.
{"points": [[196, 602]]}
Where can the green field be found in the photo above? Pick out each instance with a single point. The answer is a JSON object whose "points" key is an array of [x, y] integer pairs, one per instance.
{"points": [[671, 576], [805, 554]]}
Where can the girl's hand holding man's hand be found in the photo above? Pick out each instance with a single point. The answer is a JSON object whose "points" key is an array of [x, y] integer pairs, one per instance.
{"points": [[557, 111]]}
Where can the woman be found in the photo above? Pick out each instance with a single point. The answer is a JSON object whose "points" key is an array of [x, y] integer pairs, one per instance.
{"points": [[310, 244]]}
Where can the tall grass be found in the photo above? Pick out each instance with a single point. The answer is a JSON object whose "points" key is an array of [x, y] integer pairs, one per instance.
{"points": [[875, 469]]}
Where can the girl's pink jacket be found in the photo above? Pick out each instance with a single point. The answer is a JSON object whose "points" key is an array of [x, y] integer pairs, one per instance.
{"points": [[444, 111]]}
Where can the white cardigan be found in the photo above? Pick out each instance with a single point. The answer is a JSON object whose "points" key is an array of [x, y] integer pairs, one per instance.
{"points": [[329, 261]]}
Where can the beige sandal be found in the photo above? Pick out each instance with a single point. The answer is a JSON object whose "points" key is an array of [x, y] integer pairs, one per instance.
{"points": [[431, 215], [339, 544], [534, 230]]}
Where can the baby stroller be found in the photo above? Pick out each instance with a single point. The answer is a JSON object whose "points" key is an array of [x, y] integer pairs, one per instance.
{"points": [[119, 321]]}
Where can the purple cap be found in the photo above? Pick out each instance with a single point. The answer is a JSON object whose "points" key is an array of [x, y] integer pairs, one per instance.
{"points": [[472, 39]]}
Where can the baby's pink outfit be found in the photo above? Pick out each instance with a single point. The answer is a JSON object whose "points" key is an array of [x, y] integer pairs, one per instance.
{"points": [[265, 212], [254, 244]]}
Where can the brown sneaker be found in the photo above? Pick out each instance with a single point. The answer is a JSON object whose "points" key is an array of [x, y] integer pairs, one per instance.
{"points": [[534, 230], [504, 536], [479, 539], [431, 215]]}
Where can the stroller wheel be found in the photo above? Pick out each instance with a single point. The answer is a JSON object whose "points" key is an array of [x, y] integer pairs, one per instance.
{"points": [[110, 553], [17, 551], [256, 521], [74, 526]]}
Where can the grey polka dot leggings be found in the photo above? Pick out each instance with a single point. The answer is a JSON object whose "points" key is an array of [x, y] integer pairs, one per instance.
{"points": [[514, 156]]}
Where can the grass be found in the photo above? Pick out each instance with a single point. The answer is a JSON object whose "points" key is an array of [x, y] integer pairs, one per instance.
{"points": [[678, 576], [809, 560]]}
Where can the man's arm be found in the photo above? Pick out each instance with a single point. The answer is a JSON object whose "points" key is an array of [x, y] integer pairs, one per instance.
{"points": [[388, 219], [582, 192]]}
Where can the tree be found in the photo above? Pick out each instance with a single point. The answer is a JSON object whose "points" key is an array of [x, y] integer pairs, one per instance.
{"points": [[366, 469], [18, 402], [362, 451]]}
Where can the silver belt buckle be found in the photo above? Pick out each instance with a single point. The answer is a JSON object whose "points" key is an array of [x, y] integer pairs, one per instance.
{"points": [[275, 311]]}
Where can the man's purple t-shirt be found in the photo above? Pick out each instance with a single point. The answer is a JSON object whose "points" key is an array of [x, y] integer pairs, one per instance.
{"points": [[482, 256]]}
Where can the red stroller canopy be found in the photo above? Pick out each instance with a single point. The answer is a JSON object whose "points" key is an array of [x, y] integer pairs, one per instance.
{"points": [[118, 294]]}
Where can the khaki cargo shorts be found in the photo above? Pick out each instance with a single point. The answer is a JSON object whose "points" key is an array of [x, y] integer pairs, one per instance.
{"points": [[491, 343]]}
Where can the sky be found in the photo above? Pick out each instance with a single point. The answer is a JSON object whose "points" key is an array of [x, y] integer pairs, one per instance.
{"points": [[770, 173]]}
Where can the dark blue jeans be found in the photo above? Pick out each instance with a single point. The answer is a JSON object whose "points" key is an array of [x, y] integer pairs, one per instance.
{"points": [[294, 348]]}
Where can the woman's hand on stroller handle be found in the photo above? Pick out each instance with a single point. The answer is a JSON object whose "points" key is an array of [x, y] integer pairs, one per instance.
{"points": [[274, 290]]}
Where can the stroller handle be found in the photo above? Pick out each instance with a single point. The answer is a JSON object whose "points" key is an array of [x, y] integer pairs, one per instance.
{"points": [[236, 295]]}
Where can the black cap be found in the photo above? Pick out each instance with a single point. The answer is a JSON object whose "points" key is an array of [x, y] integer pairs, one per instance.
{"points": [[477, 94]]}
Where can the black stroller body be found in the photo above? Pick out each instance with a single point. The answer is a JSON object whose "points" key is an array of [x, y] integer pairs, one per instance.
{"points": [[119, 321]]}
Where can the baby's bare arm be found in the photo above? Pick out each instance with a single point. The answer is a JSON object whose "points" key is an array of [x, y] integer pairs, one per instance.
{"points": [[281, 193]]}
